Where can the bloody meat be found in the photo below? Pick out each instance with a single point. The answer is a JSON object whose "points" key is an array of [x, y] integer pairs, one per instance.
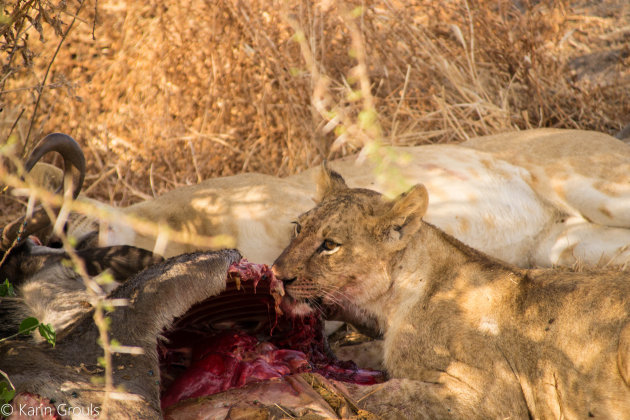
{"points": [[242, 336]]}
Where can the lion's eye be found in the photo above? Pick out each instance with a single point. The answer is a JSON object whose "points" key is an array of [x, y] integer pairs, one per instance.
{"points": [[296, 228], [328, 247]]}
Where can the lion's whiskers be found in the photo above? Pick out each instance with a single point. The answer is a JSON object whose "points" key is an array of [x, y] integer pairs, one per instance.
{"points": [[334, 294]]}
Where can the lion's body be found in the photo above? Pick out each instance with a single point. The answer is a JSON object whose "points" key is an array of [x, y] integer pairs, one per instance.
{"points": [[478, 338], [588, 178], [253, 209], [501, 194]]}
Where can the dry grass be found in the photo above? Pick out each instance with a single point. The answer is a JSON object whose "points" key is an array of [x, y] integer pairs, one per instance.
{"points": [[171, 92]]}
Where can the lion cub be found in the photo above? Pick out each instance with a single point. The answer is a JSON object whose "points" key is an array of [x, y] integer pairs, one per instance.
{"points": [[477, 337]]}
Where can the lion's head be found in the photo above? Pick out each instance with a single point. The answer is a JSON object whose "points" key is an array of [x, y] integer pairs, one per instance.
{"points": [[343, 249]]}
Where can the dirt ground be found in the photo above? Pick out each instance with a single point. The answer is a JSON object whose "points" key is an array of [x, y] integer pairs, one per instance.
{"points": [[167, 93]]}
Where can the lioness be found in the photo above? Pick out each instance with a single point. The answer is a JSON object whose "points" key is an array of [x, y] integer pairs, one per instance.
{"points": [[541, 197], [465, 335]]}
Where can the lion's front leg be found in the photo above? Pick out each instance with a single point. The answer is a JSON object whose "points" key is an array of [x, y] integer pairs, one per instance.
{"points": [[449, 399]]}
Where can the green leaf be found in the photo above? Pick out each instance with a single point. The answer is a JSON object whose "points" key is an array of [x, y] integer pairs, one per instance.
{"points": [[107, 306], [6, 289], [339, 130], [104, 278], [367, 118], [299, 36], [357, 12], [28, 325], [354, 95], [97, 380], [48, 332], [6, 393], [4, 19]]}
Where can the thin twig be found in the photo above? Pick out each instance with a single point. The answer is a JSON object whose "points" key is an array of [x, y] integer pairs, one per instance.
{"points": [[376, 389], [43, 84], [3, 373], [15, 124], [18, 33], [95, 19], [194, 160], [392, 135], [50, 86], [284, 411], [101, 177]]}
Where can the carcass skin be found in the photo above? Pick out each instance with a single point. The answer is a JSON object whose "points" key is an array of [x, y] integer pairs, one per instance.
{"points": [[156, 297], [187, 292]]}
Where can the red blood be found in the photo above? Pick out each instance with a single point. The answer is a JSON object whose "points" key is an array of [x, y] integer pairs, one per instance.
{"points": [[275, 344], [196, 382], [232, 360], [217, 364], [235, 344], [295, 359]]}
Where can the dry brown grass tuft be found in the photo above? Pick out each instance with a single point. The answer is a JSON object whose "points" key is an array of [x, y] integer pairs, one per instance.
{"points": [[172, 92]]}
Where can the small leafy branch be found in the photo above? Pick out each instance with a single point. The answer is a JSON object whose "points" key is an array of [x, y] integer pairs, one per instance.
{"points": [[48, 202], [6, 289], [15, 21], [31, 324], [7, 390], [360, 129], [14, 25]]}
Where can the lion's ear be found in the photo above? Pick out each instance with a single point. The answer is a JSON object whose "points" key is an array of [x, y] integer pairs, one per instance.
{"points": [[329, 182], [406, 211]]}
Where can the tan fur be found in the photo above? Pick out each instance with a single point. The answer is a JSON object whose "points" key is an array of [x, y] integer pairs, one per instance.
{"points": [[580, 172], [556, 197], [253, 209], [465, 336]]}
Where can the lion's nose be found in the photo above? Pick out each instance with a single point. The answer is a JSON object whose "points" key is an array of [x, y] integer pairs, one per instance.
{"points": [[282, 276]]}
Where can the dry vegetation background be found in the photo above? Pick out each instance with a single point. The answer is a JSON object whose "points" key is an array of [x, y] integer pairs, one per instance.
{"points": [[166, 93]]}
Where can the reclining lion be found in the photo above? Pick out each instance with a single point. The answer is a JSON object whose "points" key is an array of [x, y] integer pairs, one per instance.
{"points": [[540, 197], [465, 335]]}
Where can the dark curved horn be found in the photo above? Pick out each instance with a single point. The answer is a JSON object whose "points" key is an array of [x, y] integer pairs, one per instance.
{"points": [[74, 165], [69, 150]]}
